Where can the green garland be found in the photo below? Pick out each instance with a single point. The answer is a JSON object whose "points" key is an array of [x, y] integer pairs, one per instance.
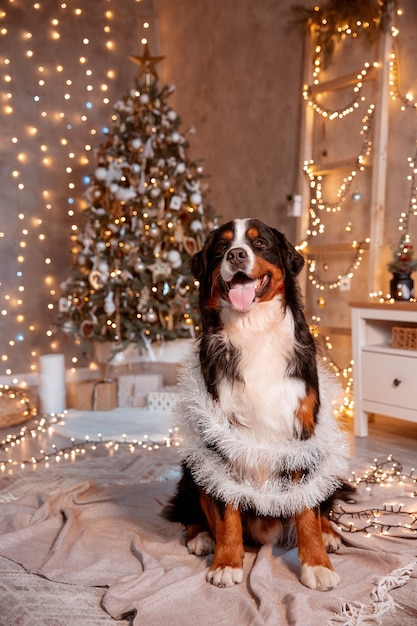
{"points": [[367, 18]]}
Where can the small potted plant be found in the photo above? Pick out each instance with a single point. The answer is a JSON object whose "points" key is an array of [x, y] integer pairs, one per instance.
{"points": [[402, 266]]}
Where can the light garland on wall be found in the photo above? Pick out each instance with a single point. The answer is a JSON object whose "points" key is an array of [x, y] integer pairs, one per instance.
{"points": [[407, 100], [353, 266], [404, 219], [49, 142], [353, 104], [315, 180], [317, 204]]}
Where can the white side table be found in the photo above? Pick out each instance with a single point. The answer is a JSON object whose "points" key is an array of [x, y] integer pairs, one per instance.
{"points": [[384, 378]]}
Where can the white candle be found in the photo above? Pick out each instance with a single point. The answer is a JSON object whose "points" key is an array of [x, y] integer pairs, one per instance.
{"points": [[52, 383]]}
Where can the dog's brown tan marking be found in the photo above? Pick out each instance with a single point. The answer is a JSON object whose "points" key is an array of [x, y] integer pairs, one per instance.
{"points": [[306, 412], [226, 526], [253, 232], [317, 571], [310, 543], [276, 282], [227, 235]]}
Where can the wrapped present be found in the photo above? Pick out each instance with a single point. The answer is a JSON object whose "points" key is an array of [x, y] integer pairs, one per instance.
{"points": [[133, 388], [168, 371], [163, 399], [95, 395]]}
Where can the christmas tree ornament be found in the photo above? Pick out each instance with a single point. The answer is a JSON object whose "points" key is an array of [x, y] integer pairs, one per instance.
{"points": [[174, 258], [64, 304], [86, 328], [175, 203], [154, 231], [195, 198], [196, 226], [190, 245], [139, 266], [94, 279], [109, 305], [104, 270], [151, 316], [100, 173], [70, 328], [125, 193], [126, 247], [160, 270]]}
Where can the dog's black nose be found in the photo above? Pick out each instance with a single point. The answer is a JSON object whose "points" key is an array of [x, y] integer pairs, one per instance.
{"points": [[237, 256]]}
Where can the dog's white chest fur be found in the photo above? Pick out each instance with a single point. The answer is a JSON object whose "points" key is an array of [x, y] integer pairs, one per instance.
{"points": [[267, 399]]}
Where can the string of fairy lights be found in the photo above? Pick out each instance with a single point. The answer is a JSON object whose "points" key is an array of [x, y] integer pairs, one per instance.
{"points": [[347, 109], [320, 207], [51, 453], [69, 62], [316, 226], [392, 518]]}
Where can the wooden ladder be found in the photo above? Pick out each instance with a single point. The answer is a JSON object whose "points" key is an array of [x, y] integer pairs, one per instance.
{"points": [[377, 167]]}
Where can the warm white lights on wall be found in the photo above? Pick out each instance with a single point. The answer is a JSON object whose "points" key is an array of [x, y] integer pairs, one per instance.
{"points": [[57, 87]]}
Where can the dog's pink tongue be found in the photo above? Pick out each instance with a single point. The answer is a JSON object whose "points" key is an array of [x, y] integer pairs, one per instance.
{"points": [[242, 295]]}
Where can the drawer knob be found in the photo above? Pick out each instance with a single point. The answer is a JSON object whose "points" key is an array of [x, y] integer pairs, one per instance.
{"points": [[396, 382]]}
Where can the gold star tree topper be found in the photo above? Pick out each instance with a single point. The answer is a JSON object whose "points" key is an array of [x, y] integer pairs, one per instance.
{"points": [[146, 62]]}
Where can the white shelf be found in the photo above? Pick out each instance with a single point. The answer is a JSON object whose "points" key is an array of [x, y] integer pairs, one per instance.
{"points": [[386, 348]]}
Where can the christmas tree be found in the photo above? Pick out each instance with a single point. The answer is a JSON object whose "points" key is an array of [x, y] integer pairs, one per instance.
{"points": [[146, 216]]}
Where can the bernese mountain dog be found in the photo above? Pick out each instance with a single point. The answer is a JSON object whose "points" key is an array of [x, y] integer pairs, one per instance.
{"points": [[262, 452]]}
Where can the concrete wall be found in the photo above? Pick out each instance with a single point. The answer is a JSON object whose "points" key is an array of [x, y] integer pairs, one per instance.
{"points": [[237, 66]]}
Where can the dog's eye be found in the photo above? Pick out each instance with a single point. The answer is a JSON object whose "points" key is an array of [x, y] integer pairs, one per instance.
{"points": [[259, 243], [222, 247]]}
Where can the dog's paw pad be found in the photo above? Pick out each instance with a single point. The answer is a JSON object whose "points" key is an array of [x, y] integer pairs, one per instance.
{"points": [[201, 544], [319, 577], [332, 542], [225, 576]]}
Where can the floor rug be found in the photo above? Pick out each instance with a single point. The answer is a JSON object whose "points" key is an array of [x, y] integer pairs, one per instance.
{"points": [[93, 528]]}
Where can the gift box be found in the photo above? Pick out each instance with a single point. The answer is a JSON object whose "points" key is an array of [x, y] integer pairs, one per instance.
{"points": [[95, 395], [133, 388], [163, 399], [168, 371]]}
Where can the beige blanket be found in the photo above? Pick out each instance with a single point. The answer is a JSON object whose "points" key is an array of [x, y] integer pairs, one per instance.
{"points": [[98, 534]]}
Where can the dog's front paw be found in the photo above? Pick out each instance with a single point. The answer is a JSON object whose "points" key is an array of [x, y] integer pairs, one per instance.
{"points": [[332, 541], [319, 577], [201, 544], [225, 576]]}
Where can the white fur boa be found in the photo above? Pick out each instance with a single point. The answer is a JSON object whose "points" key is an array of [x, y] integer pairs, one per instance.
{"points": [[230, 464]]}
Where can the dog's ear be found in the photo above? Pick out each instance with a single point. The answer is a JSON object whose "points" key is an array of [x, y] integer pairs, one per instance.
{"points": [[197, 265], [293, 261], [199, 261]]}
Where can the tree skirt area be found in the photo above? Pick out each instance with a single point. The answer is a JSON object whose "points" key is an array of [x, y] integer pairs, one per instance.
{"points": [[83, 544]]}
